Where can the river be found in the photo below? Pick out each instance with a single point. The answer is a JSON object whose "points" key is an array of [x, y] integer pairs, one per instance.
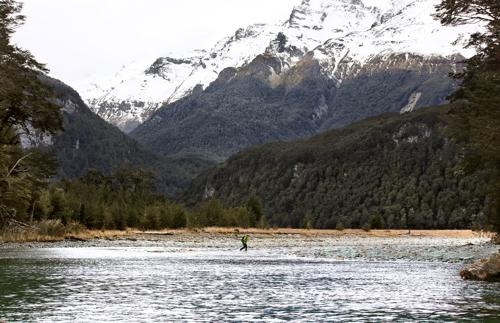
{"points": [[218, 283]]}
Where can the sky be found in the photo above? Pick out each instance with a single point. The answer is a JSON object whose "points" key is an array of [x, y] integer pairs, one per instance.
{"points": [[79, 38]]}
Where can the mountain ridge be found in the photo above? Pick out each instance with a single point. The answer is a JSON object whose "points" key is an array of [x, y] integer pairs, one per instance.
{"points": [[342, 34], [262, 102]]}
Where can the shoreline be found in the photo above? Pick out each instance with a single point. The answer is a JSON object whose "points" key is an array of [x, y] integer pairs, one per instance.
{"points": [[135, 234], [386, 233], [451, 246]]}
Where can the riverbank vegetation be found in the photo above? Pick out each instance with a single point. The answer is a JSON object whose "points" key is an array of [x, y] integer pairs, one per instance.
{"points": [[126, 199], [53, 231]]}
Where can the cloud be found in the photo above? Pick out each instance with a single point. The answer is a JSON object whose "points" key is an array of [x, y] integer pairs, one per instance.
{"points": [[77, 38]]}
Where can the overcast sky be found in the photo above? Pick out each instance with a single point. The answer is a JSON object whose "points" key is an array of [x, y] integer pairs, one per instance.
{"points": [[76, 38]]}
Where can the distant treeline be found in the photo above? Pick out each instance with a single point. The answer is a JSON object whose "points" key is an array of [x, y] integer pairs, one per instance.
{"points": [[125, 199]]}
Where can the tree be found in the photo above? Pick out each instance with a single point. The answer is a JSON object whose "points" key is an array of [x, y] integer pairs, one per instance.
{"points": [[475, 118], [27, 108], [134, 179], [26, 102], [308, 221], [377, 222], [23, 176], [255, 207]]}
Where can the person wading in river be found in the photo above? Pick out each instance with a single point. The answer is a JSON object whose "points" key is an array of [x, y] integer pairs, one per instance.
{"points": [[244, 241]]}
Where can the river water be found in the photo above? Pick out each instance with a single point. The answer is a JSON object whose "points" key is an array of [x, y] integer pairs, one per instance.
{"points": [[143, 284]]}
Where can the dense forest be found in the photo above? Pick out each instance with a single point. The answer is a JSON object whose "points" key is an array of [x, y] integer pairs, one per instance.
{"points": [[126, 199], [392, 171]]}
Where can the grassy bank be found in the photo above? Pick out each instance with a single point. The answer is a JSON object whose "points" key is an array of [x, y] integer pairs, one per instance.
{"points": [[319, 232], [85, 235], [41, 233]]}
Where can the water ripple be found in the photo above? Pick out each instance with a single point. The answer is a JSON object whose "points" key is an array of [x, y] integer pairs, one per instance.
{"points": [[154, 284]]}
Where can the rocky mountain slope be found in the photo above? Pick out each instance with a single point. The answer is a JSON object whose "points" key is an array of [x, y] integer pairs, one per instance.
{"points": [[348, 38], [393, 171], [88, 142], [263, 101]]}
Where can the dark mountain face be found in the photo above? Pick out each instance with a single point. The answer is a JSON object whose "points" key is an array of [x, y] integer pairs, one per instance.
{"points": [[399, 83], [263, 101], [397, 169], [88, 142], [241, 108]]}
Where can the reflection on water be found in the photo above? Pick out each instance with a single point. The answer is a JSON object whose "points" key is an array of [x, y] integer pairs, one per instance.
{"points": [[155, 284]]}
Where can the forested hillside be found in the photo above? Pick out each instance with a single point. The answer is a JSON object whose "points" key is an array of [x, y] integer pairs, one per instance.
{"points": [[88, 142], [392, 171]]}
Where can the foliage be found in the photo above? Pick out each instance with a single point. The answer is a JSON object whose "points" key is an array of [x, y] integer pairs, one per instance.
{"points": [[339, 226], [27, 111], [377, 222], [25, 100], [54, 228], [476, 116], [122, 199], [254, 206], [213, 213], [393, 171], [126, 199]]}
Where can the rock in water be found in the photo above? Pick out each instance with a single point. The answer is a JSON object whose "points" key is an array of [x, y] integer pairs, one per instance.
{"points": [[485, 269]]}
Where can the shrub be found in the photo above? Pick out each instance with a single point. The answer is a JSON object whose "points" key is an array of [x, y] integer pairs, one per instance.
{"points": [[75, 227], [208, 214], [237, 217], [339, 226], [119, 220], [308, 221], [377, 222], [263, 224], [172, 217], [151, 219], [366, 227], [53, 228]]}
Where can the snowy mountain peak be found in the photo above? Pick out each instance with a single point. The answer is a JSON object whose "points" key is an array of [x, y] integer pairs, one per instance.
{"points": [[342, 35], [334, 16]]}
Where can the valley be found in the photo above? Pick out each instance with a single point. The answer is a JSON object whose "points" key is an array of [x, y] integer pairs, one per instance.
{"points": [[340, 162]]}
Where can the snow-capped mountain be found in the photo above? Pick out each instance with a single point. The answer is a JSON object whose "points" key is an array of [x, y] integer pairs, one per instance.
{"points": [[343, 35]]}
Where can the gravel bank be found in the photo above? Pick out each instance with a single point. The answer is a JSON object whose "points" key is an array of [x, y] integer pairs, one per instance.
{"points": [[347, 247]]}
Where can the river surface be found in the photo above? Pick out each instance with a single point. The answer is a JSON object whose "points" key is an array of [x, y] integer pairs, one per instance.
{"points": [[144, 284]]}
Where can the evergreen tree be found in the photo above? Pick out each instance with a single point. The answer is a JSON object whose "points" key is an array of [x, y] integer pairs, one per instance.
{"points": [[476, 116], [26, 109], [25, 100], [255, 207]]}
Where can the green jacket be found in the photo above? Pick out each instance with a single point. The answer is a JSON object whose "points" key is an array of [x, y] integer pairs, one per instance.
{"points": [[244, 240]]}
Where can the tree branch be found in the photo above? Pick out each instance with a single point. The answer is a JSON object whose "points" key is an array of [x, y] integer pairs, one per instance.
{"points": [[17, 163]]}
